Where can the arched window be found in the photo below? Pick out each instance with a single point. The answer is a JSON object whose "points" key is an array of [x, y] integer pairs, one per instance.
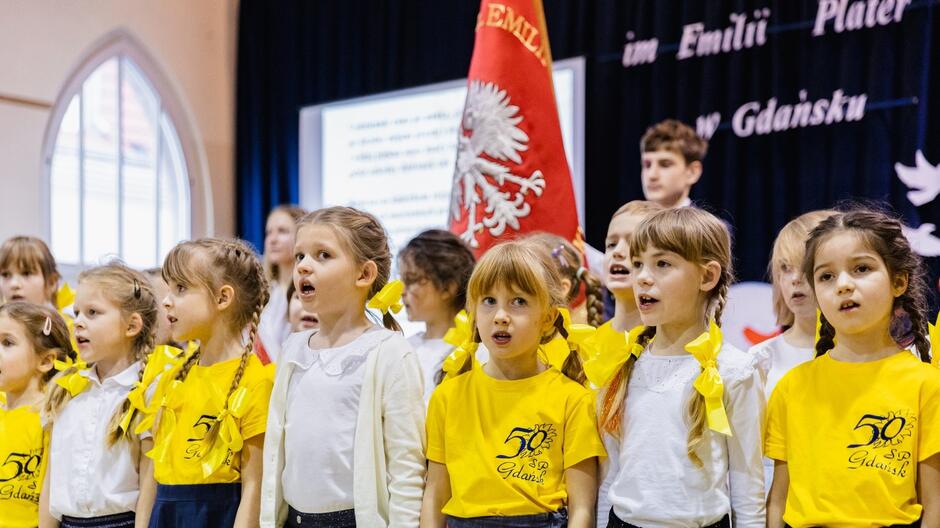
{"points": [[118, 177]]}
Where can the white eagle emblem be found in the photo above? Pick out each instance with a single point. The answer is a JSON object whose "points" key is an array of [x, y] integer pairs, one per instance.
{"points": [[489, 126]]}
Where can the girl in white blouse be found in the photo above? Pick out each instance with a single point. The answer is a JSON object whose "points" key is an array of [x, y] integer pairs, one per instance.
{"points": [[97, 473], [686, 407]]}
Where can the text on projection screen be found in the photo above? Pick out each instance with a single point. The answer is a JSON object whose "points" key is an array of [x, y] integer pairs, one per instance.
{"points": [[394, 156]]}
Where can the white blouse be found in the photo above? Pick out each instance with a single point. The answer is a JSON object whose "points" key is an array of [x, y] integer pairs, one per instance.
{"points": [[88, 478], [431, 355], [321, 417], [655, 483]]}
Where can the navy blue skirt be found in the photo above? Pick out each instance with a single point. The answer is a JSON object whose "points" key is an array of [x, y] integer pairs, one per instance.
{"points": [[196, 505]]}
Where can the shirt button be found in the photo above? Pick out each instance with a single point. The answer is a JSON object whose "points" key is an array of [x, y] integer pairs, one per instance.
{"points": [[299, 519]]}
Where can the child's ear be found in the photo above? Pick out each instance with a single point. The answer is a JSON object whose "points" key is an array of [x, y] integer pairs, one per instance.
{"points": [[548, 323], [899, 284], [368, 274], [225, 297], [134, 325], [694, 172], [711, 274], [46, 362]]}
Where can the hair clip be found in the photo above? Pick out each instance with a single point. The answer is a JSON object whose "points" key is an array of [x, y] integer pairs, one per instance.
{"points": [[136, 289], [558, 254], [581, 272], [47, 326]]}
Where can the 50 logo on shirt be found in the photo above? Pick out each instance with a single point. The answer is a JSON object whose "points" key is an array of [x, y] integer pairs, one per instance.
{"points": [[20, 465], [882, 442], [527, 443]]}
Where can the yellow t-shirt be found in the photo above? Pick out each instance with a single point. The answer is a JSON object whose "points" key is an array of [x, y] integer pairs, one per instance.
{"points": [[23, 447], [200, 399], [507, 443], [852, 435]]}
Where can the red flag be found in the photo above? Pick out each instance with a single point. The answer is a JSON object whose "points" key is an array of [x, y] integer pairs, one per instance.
{"points": [[511, 175]]}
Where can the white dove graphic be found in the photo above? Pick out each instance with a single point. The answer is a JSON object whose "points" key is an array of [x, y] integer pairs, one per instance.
{"points": [[923, 179], [922, 240]]}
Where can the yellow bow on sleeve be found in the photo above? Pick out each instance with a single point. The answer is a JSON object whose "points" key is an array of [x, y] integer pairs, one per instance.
{"points": [[705, 349], [388, 298], [163, 358], [73, 382], [612, 350], [460, 336], [230, 436]]}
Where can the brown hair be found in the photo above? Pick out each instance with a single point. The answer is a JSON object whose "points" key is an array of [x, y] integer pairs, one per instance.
{"points": [[522, 265], [131, 291], [444, 259], [699, 237], [675, 136], [570, 264], [366, 240], [883, 234], [26, 253], [788, 251], [33, 317], [272, 271], [211, 263]]}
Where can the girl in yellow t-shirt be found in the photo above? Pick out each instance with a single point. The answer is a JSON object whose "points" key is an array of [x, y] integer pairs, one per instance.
{"points": [[855, 433], [213, 406], [96, 476], [514, 441], [32, 338]]}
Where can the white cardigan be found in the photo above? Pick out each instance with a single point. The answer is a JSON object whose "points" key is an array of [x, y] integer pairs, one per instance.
{"points": [[388, 456]]}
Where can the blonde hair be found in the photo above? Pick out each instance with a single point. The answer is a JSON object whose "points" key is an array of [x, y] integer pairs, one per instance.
{"points": [[26, 253], [211, 263], [788, 249], [570, 264], [699, 237], [272, 271], [131, 292], [364, 237], [641, 208], [522, 266]]}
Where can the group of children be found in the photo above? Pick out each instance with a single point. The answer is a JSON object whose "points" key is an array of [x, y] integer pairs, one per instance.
{"points": [[227, 391]]}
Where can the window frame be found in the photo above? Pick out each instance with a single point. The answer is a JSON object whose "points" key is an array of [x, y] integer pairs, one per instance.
{"points": [[116, 44]]}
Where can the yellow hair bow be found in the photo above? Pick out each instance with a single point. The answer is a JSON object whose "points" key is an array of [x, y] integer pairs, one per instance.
{"points": [[556, 352], [611, 350], [169, 401], [461, 337], [74, 382], [229, 437], [163, 358], [705, 349], [64, 297], [934, 333], [388, 298]]}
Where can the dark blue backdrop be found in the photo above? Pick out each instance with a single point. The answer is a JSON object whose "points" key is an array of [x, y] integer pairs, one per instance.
{"points": [[293, 54]]}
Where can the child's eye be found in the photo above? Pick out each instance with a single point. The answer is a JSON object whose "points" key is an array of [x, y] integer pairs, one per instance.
{"points": [[519, 301], [488, 301], [662, 264], [7, 342], [823, 277], [5, 274], [863, 268], [611, 245], [298, 257], [323, 255], [180, 288], [637, 264]]}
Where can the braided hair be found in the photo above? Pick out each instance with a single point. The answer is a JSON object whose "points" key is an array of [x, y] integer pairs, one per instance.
{"points": [[883, 234], [212, 263]]}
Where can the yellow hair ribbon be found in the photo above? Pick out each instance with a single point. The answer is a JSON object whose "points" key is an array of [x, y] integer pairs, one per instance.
{"points": [[388, 298], [556, 352], [3, 398], [75, 383], [934, 332], [163, 358], [64, 297], [170, 401], [460, 336], [611, 350], [705, 349], [229, 437]]}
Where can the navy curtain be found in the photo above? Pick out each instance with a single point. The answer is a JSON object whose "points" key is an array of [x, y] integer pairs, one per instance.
{"points": [[293, 54]]}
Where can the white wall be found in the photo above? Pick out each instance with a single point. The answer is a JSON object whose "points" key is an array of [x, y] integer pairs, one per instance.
{"points": [[43, 41]]}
